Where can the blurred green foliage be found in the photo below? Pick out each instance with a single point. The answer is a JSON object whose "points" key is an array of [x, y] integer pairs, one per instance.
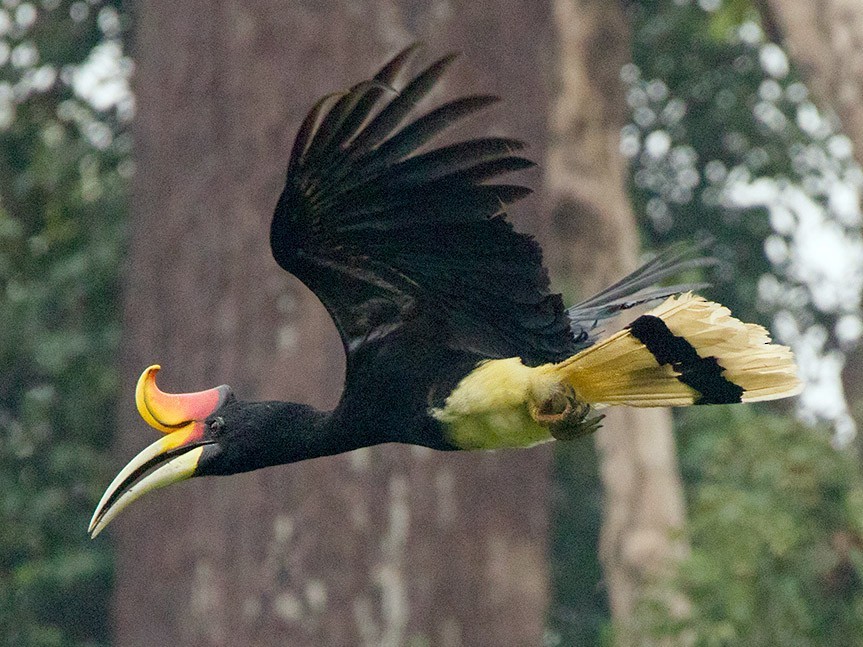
{"points": [[776, 528], [691, 93], [63, 169]]}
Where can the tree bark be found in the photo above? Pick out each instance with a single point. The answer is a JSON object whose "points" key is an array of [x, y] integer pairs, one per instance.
{"points": [[387, 546], [597, 243], [825, 40]]}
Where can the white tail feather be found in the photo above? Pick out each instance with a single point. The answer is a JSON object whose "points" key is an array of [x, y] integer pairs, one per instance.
{"points": [[621, 369]]}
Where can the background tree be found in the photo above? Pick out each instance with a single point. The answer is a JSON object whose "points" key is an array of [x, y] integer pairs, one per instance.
{"points": [[382, 547], [725, 138], [724, 141], [597, 238]]}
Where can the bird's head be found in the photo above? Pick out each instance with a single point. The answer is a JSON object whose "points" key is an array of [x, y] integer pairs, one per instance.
{"points": [[213, 433], [193, 445]]}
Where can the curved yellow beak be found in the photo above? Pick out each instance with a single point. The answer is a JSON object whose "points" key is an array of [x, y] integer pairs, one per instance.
{"points": [[181, 418]]}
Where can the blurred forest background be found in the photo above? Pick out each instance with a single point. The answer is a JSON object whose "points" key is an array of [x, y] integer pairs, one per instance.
{"points": [[133, 230]]}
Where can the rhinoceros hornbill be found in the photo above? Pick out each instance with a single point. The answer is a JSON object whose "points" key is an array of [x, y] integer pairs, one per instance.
{"points": [[453, 339]]}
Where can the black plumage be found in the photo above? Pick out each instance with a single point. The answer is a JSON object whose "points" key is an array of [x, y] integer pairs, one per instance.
{"points": [[390, 236]]}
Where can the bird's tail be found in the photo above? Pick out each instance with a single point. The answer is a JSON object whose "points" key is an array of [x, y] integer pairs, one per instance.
{"points": [[686, 351]]}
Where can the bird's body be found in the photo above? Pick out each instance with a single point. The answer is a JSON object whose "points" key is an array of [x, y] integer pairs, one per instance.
{"points": [[452, 336]]}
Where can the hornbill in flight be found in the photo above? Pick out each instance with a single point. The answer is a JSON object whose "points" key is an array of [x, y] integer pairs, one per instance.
{"points": [[453, 339]]}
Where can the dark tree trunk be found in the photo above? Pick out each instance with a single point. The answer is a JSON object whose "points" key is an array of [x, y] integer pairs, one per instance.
{"points": [[383, 546]]}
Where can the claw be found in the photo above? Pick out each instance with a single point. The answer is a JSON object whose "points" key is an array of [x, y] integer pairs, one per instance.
{"points": [[565, 415]]}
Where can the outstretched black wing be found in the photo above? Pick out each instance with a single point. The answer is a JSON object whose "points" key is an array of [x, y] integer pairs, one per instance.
{"points": [[385, 232]]}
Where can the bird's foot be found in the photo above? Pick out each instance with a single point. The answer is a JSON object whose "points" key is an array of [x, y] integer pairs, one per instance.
{"points": [[565, 415]]}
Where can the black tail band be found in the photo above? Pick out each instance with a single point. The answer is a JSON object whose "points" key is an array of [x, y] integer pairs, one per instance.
{"points": [[704, 374]]}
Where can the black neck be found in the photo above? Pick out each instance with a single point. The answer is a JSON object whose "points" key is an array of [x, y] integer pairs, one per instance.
{"points": [[299, 432], [260, 434], [306, 432]]}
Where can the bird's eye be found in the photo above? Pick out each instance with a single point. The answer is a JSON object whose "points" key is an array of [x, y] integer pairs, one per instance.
{"points": [[216, 424]]}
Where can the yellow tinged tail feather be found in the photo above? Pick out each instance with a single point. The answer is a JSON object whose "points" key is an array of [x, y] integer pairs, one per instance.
{"points": [[686, 351]]}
